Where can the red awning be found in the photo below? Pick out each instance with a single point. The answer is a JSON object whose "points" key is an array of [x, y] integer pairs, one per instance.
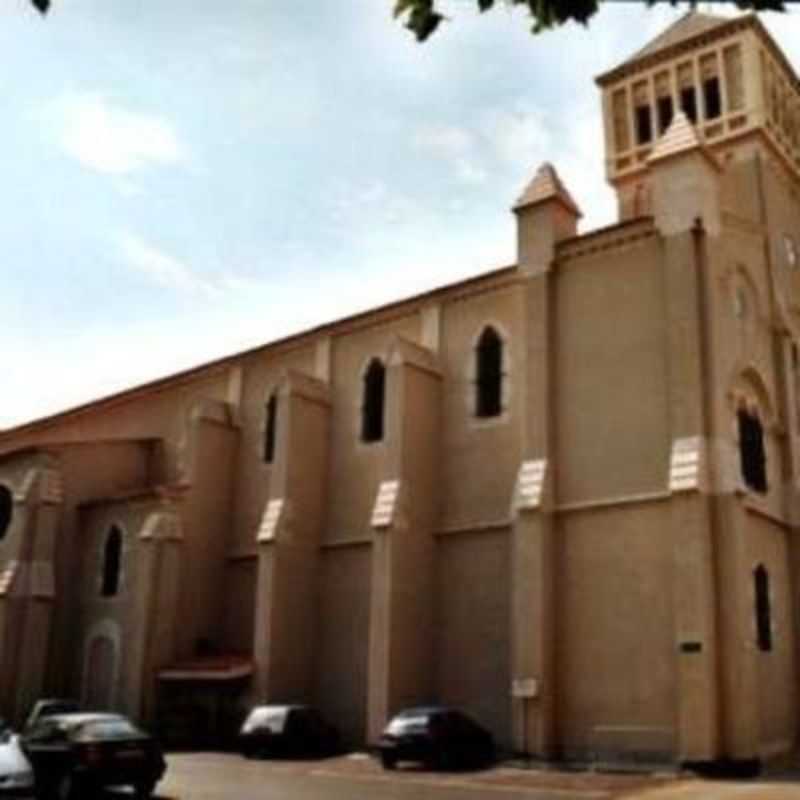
{"points": [[210, 668]]}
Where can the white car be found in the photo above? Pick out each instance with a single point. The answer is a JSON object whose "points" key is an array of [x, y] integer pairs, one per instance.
{"points": [[16, 775]]}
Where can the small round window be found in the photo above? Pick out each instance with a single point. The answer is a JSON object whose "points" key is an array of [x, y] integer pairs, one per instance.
{"points": [[6, 508]]}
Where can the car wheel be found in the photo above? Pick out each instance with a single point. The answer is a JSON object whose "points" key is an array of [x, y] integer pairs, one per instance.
{"points": [[64, 787], [388, 760], [143, 791]]}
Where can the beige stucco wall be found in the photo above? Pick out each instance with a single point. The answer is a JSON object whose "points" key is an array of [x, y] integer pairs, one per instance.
{"points": [[611, 396], [616, 649], [355, 465], [472, 627], [341, 681], [261, 373], [471, 493], [776, 668], [112, 617]]}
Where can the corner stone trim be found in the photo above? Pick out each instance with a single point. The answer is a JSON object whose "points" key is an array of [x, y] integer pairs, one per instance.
{"points": [[530, 485], [268, 529], [7, 577], [687, 465], [383, 513]]}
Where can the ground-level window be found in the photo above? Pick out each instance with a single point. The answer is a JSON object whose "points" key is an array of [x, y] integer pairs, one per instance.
{"points": [[112, 562], [6, 509], [751, 451], [489, 374], [762, 609], [270, 424], [374, 401]]}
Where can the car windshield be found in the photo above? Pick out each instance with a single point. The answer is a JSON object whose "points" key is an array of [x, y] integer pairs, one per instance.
{"points": [[107, 729], [412, 720], [272, 718]]}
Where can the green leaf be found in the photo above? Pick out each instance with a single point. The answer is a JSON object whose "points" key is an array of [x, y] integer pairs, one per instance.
{"points": [[41, 5]]}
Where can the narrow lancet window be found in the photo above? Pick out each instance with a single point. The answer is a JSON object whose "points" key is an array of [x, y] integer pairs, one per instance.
{"points": [[688, 100], [372, 410], [664, 109], [763, 610], [642, 117], [712, 93], [751, 451], [489, 374], [270, 424], [112, 561]]}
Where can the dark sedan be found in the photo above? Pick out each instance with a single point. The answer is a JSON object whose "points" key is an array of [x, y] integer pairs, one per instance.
{"points": [[76, 755], [436, 736], [287, 730]]}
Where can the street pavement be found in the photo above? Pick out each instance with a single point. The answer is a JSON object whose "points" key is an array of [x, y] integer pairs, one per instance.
{"points": [[214, 776]]}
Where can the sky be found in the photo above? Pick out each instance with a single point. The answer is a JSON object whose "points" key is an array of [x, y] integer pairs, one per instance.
{"points": [[182, 180]]}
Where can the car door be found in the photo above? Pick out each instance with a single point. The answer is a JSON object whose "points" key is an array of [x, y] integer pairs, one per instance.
{"points": [[47, 746]]}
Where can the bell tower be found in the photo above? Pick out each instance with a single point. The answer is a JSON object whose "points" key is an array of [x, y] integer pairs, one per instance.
{"points": [[729, 78]]}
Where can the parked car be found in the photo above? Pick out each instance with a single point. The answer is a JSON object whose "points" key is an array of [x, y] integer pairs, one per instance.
{"points": [[44, 708], [16, 773], [74, 755], [438, 737], [287, 730]]}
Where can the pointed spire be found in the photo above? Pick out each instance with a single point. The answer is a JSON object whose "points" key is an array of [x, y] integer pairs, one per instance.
{"points": [[680, 137], [546, 185]]}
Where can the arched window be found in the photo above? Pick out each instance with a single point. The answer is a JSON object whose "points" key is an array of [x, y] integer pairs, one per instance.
{"points": [[374, 402], [6, 510], [489, 374], [112, 560], [751, 451], [763, 610], [270, 428]]}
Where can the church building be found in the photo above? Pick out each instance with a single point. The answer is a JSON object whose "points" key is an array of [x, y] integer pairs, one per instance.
{"points": [[561, 495]]}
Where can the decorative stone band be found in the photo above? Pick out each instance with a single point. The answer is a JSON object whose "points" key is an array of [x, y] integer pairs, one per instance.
{"points": [[529, 488], [268, 530], [688, 465], [385, 508]]}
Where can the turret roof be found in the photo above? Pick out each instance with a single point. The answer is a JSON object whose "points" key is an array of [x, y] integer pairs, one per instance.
{"points": [[546, 185], [680, 137]]}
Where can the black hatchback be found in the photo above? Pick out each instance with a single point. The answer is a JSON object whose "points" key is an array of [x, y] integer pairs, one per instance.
{"points": [[287, 730], [76, 755], [437, 736]]}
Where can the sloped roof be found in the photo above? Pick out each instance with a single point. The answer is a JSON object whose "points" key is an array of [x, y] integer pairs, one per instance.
{"points": [[546, 185], [689, 25]]}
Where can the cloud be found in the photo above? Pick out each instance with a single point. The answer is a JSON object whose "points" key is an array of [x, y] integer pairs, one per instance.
{"points": [[166, 270], [517, 135], [106, 137], [454, 145], [162, 268]]}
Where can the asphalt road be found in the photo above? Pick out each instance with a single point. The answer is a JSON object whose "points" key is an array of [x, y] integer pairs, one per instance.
{"points": [[213, 776], [219, 776]]}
